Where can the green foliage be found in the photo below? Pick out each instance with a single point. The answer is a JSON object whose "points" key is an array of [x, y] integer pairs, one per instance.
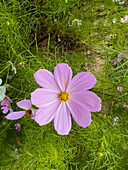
{"points": [[29, 33]]}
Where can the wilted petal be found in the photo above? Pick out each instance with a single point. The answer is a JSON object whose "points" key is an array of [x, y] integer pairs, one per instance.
{"points": [[46, 114], [24, 104], [82, 81], [63, 75], [33, 113], [62, 120], [87, 98], [15, 115], [42, 97], [79, 112], [46, 79]]}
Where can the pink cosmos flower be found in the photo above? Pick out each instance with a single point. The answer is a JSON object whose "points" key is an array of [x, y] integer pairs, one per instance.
{"points": [[119, 89], [24, 104], [62, 95], [118, 59], [125, 105], [6, 101], [17, 126], [70, 24], [116, 119], [6, 109]]}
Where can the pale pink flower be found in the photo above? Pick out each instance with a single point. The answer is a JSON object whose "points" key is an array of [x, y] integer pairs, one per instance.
{"points": [[119, 89], [125, 105], [116, 119], [24, 104], [6, 108], [125, 19], [6, 101], [61, 96], [70, 24], [17, 126]]}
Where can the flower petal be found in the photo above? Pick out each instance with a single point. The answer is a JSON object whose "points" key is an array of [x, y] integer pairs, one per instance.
{"points": [[63, 75], [0, 81], [15, 115], [46, 79], [46, 114], [42, 97], [3, 89], [2, 95], [24, 104], [33, 113], [62, 120], [5, 109], [82, 81], [87, 98], [79, 112]]}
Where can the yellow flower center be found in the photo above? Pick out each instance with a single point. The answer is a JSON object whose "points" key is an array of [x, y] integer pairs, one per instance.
{"points": [[28, 113], [5, 99], [76, 21], [64, 96], [8, 107]]}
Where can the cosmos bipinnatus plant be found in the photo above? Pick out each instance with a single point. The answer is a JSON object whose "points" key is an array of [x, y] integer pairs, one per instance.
{"points": [[59, 97]]}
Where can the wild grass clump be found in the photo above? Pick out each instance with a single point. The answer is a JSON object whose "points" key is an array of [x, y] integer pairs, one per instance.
{"points": [[36, 35]]}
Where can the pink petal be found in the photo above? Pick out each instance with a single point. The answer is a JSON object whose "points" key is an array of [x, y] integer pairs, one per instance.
{"points": [[42, 97], [5, 109], [24, 104], [87, 98], [11, 110], [63, 75], [46, 79], [62, 120], [79, 112], [15, 115], [33, 114], [46, 114], [82, 81]]}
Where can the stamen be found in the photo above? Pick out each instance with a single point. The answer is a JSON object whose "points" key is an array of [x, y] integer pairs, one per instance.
{"points": [[64, 96], [8, 107], [5, 99], [28, 113]]}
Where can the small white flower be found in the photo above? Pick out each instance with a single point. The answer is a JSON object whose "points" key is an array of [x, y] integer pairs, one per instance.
{"points": [[13, 68], [114, 20], [78, 22], [2, 91]]}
